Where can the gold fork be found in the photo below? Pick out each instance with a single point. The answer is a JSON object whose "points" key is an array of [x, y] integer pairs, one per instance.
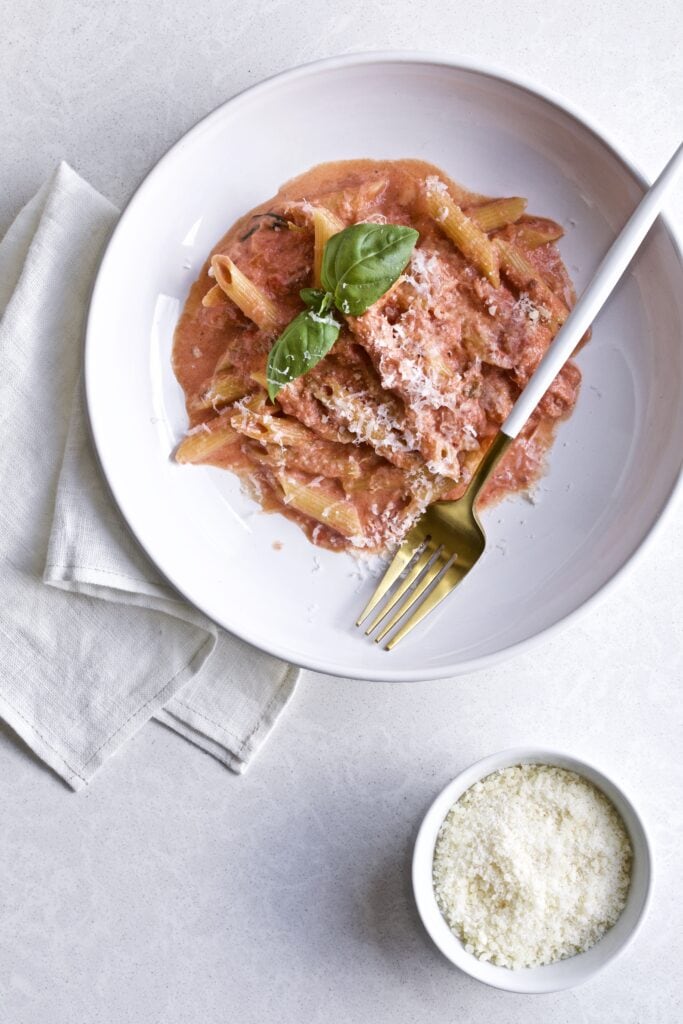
{"points": [[441, 548], [448, 540]]}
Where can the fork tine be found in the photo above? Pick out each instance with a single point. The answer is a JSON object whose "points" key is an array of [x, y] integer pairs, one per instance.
{"points": [[413, 540], [446, 584], [434, 570], [415, 571]]}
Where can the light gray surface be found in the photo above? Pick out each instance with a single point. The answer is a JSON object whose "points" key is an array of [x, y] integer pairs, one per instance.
{"points": [[171, 891]]}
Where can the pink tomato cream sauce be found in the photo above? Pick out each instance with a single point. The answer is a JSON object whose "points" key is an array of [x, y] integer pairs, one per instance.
{"points": [[401, 410]]}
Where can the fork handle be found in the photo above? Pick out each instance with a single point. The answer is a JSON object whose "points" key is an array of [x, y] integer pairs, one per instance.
{"points": [[613, 265]]}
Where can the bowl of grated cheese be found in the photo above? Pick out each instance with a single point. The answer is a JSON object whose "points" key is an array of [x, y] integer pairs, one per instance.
{"points": [[532, 871]]}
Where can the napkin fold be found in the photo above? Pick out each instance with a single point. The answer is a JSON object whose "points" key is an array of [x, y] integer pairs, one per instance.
{"points": [[108, 643]]}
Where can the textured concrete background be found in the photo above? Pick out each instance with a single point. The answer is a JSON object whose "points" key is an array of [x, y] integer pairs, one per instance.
{"points": [[173, 892]]}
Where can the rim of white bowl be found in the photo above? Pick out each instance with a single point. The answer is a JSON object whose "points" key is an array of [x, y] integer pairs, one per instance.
{"points": [[423, 855], [328, 665]]}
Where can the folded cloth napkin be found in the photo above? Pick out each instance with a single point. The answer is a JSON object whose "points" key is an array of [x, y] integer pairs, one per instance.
{"points": [[108, 644]]}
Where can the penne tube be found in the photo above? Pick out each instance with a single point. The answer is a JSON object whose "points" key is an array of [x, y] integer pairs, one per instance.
{"points": [[288, 433], [319, 463], [314, 502], [515, 265], [369, 192], [498, 213], [325, 225], [253, 302], [214, 297], [536, 231], [205, 440], [223, 389], [263, 426], [526, 278], [462, 231], [351, 203]]}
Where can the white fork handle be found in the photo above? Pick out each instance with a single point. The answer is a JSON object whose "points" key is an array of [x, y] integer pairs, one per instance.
{"points": [[615, 262]]}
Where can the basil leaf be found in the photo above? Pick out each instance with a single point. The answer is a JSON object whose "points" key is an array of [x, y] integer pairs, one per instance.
{"points": [[317, 299], [362, 262], [302, 344]]}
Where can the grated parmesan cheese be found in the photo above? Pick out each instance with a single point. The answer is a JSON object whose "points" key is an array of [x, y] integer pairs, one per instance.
{"points": [[328, 319], [368, 424], [527, 308], [434, 184], [532, 865], [421, 271]]}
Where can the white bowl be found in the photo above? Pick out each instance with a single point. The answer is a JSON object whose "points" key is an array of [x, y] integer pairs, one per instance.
{"points": [[565, 973], [616, 460]]}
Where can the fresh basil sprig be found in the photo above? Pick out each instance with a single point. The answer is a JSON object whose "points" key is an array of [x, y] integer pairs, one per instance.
{"points": [[362, 262], [302, 344], [316, 299], [359, 265]]}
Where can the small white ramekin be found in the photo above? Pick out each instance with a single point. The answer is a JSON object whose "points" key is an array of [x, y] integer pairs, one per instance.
{"points": [[565, 973]]}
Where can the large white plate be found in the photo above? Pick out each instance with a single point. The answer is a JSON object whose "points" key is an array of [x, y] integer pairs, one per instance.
{"points": [[615, 463]]}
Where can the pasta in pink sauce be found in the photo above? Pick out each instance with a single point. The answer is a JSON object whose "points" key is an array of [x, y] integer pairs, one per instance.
{"points": [[400, 411]]}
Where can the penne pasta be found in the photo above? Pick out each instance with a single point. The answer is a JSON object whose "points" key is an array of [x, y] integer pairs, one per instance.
{"points": [[536, 231], [253, 302], [373, 188], [269, 429], [515, 265], [214, 297], [526, 278], [351, 203], [319, 462], [223, 389], [342, 516], [325, 224], [498, 213], [288, 433], [462, 231], [206, 440]]}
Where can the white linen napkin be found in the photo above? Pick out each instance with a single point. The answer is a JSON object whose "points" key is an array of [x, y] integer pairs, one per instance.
{"points": [[87, 660]]}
